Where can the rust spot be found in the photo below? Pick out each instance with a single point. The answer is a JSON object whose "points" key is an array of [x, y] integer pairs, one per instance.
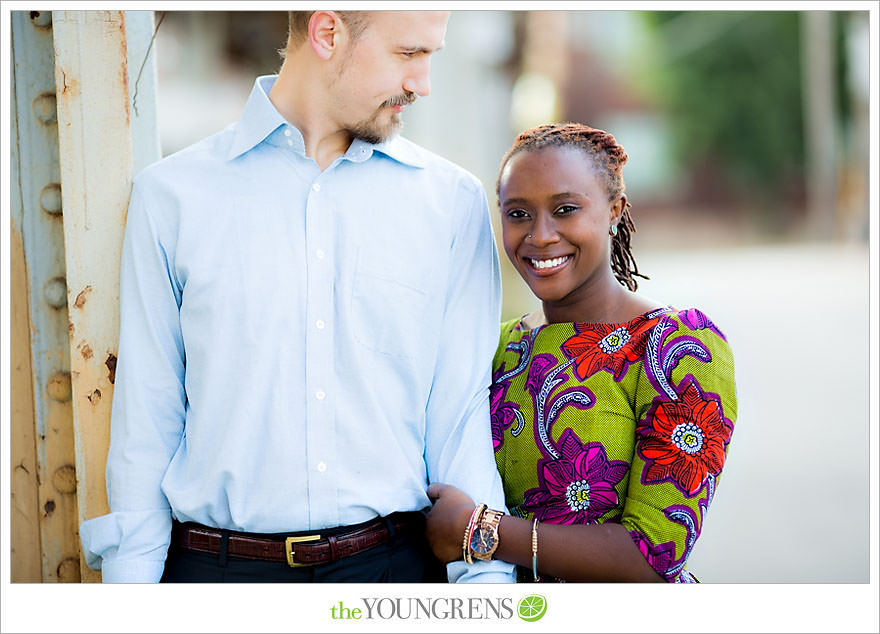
{"points": [[124, 78], [86, 351], [94, 397], [111, 367], [49, 507], [81, 298], [70, 328], [69, 88], [123, 71]]}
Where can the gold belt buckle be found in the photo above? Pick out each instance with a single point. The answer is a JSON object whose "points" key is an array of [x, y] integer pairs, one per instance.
{"points": [[288, 548]]}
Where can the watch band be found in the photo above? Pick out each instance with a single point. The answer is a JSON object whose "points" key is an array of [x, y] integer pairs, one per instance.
{"points": [[488, 523], [469, 531]]}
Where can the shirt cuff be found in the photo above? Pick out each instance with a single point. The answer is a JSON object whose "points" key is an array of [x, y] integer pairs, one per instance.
{"points": [[131, 571], [481, 572], [127, 546]]}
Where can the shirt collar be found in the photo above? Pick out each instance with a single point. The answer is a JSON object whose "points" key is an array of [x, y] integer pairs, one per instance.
{"points": [[260, 118], [396, 148]]}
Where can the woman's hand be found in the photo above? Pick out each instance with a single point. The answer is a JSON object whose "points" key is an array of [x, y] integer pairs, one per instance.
{"points": [[448, 520]]}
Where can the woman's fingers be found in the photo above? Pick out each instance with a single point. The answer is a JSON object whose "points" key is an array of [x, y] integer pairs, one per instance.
{"points": [[435, 489]]}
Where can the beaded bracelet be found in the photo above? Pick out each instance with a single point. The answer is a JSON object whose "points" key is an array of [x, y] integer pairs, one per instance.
{"points": [[469, 531], [535, 549]]}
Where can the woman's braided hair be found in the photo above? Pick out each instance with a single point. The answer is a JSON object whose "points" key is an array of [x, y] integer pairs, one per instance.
{"points": [[609, 158]]}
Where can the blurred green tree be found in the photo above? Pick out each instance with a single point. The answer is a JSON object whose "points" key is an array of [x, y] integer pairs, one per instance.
{"points": [[731, 85]]}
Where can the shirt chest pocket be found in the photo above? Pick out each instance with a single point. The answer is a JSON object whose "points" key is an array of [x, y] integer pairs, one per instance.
{"points": [[388, 305]]}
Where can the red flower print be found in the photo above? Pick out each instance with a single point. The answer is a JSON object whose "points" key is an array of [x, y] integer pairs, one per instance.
{"points": [[607, 346], [684, 440], [578, 487]]}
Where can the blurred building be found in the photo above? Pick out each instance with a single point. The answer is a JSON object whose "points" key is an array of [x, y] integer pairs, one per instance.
{"points": [[503, 71]]}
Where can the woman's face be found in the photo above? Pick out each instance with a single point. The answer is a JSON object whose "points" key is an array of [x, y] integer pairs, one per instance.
{"points": [[555, 217]]}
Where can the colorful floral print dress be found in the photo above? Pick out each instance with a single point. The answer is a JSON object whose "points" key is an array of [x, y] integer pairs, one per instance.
{"points": [[625, 423]]}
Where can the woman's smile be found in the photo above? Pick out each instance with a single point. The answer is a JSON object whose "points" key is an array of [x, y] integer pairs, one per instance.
{"points": [[548, 266]]}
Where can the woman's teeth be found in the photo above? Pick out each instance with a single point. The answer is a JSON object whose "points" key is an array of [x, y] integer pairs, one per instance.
{"points": [[547, 264]]}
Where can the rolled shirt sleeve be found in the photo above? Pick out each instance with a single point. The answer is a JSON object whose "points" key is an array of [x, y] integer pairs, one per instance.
{"points": [[131, 542], [458, 436]]}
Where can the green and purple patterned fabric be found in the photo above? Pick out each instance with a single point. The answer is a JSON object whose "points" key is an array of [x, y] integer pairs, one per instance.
{"points": [[626, 423]]}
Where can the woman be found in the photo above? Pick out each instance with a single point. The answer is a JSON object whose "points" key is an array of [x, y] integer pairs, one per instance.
{"points": [[611, 412]]}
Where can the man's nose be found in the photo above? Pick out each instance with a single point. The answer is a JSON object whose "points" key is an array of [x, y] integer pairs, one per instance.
{"points": [[419, 80]]}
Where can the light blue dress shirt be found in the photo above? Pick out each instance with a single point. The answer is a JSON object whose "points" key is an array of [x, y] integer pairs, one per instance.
{"points": [[299, 349]]}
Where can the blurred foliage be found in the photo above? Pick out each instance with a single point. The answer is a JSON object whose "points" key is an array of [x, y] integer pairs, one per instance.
{"points": [[731, 84]]}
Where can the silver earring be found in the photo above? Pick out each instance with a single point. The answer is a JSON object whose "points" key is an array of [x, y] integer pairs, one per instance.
{"points": [[613, 231], [529, 236]]}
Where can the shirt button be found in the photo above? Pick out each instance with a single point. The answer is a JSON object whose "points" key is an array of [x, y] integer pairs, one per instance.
{"points": [[287, 132], [316, 187], [319, 254], [289, 142], [320, 324], [322, 467], [320, 395]]}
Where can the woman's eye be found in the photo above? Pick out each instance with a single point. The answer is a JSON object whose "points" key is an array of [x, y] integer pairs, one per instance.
{"points": [[517, 213], [566, 209]]}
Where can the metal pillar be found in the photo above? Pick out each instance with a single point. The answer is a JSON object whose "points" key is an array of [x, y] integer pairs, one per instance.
{"points": [[76, 142], [35, 181]]}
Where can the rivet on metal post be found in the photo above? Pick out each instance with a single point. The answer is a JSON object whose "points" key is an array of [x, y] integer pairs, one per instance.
{"points": [[55, 292], [68, 570], [46, 108], [64, 479], [41, 18], [50, 199], [58, 387]]}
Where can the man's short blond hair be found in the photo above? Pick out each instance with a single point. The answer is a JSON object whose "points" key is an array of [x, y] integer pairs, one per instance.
{"points": [[298, 26]]}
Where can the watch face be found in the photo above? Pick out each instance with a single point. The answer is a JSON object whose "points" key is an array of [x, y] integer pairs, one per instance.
{"points": [[482, 541]]}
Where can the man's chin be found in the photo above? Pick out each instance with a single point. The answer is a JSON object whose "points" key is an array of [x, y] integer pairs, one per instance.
{"points": [[372, 133]]}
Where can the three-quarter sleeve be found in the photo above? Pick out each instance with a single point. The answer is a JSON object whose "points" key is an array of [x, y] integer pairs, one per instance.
{"points": [[686, 408], [131, 542]]}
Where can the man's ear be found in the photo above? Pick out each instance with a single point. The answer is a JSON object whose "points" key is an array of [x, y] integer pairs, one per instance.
{"points": [[325, 31]]}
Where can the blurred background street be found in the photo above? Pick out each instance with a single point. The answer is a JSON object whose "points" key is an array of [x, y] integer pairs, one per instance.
{"points": [[747, 133], [792, 505]]}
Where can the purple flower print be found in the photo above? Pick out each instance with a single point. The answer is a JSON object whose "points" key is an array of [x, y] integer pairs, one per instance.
{"points": [[501, 414], [578, 487], [698, 320], [661, 558]]}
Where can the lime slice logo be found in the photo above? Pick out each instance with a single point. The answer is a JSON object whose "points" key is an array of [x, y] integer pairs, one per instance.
{"points": [[532, 607]]}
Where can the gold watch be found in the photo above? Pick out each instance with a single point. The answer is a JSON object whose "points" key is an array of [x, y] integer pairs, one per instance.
{"points": [[484, 540]]}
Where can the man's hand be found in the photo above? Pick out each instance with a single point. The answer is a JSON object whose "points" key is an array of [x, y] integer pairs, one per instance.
{"points": [[448, 520]]}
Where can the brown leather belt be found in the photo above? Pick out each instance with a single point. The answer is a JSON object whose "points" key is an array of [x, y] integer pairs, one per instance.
{"points": [[297, 550]]}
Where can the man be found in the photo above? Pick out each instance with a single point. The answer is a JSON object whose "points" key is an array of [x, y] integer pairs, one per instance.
{"points": [[309, 308]]}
